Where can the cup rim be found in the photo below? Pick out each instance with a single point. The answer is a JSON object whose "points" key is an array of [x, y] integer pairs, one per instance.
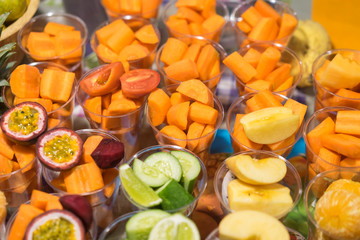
{"points": [[126, 17], [169, 147], [282, 48], [115, 222], [289, 166], [45, 16], [117, 14], [233, 19], [241, 99]]}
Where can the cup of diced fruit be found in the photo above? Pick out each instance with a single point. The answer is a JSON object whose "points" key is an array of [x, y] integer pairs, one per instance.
{"points": [[165, 176]]}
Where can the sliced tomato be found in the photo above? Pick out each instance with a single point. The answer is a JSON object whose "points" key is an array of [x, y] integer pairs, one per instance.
{"points": [[104, 80], [139, 82]]}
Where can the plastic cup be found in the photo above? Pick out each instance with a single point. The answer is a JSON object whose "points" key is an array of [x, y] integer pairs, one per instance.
{"points": [[313, 192], [60, 117], [291, 180], [170, 9], [317, 164], [135, 23], [326, 97], [242, 38], [116, 230], [210, 83], [102, 200], [202, 150], [38, 23], [239, 107], [199, 187], [287, 56]]}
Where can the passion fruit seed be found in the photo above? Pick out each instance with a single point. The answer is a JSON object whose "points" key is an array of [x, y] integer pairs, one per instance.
{"points": [[24, 120], [61, 148], [60, 229]]}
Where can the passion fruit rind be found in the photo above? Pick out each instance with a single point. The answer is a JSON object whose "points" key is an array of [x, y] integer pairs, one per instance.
{"points": [[24, 122], [59, 149], [55, 224]]}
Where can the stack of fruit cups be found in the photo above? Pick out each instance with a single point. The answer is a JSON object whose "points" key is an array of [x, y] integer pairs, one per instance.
{"points": [[332, 201], [191, 57], [336, 76], [59, 114], [63, 42], [263, 20], [168, 165]]}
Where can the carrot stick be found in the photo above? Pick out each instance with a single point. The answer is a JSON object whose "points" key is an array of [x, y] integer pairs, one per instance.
{"points": [[195, 131], [174, 132], [178, 115], [279, 75], [263, 99], [262, 30], [173, 51], [243, 26], [314, 136], [242, 69], [182, 70], [327, 158], [287, 25], [348, 122], [344, 144], [202, 113], [266, 10], [252, 56], [268, 60]]}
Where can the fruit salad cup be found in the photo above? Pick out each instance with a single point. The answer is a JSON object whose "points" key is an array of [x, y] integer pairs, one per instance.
{"points": [[59, 112], [191, 57], [330, 140], [332, 200], [168, 165], [271, 66], [263, 20], [268, 108], [184, 19], [103, 190], [55, 37], [129, 38], [336, 75], [278, 195]]}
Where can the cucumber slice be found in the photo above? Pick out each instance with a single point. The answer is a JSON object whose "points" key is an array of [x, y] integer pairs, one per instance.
{"points": [[139, 226], [173, 195], [166, 163], [191, 168], [149, 175]]}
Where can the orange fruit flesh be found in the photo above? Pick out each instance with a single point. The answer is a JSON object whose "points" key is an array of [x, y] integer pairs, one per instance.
{"points": [[2, 207]]}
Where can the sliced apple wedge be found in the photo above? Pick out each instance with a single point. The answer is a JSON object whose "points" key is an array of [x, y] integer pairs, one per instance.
{"points": [[257, 171], [247, 225], [273, 199], [270, 125]]}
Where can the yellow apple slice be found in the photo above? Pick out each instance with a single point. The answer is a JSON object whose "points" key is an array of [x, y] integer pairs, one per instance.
{"points": [[247, 225], [273, 199], [257, 171], [270, 125]]}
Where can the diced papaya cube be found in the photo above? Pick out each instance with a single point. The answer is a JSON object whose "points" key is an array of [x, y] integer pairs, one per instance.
{"points": [[109, 175], [133, 52], [55, 204], [147, 34], [192, 52], [93, 104], [177, 98], [40, 199], [159, 104], [89, 146], [40, 45], [106, 54], [24, 155], [46, 103], [5, 146], [25, 81], [178, 26], [54, 28], [120, 38], [173, 51], [121, 106], [56, 85], [67, 44], [6, 165], [130, 7], [104, 33]]}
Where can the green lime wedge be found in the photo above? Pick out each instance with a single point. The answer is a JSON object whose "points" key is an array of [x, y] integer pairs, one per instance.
{"points": [[175, 227], [137, 190]]}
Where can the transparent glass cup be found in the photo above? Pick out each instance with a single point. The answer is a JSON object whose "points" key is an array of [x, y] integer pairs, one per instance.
{"points": [[199, 186], [170, 9], [239, 107], [315, 163], [204, 142], [72, 60], [135, 23], [60, 117], [313, 192], [327, 97], [287, 56], [116, 230], [291, 180], [125, 127], [210, 83], [102, 200], [242, 38]]}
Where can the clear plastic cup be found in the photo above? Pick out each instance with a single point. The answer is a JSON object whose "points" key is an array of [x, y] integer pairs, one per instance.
{"points": [[210, 83], [242, 38], [287, 56], [116, 230], [199, 186], [327, 97], [239, 107], [102, 200], [37, 24], [291, 180], [60, 117], [170, 9], [135, 23]]}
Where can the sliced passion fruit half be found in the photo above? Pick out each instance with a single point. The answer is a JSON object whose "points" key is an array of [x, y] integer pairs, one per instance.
{"points": [[55, 224], [24, 122], [59, 149]]}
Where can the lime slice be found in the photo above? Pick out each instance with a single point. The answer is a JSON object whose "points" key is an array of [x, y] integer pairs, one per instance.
{"points": [[151, 176], [175, 227], [139, 226], [137, 190], [166, 163]]}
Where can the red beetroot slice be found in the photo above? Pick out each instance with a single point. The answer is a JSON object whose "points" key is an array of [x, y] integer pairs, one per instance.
{"points": [[108, 153]]}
